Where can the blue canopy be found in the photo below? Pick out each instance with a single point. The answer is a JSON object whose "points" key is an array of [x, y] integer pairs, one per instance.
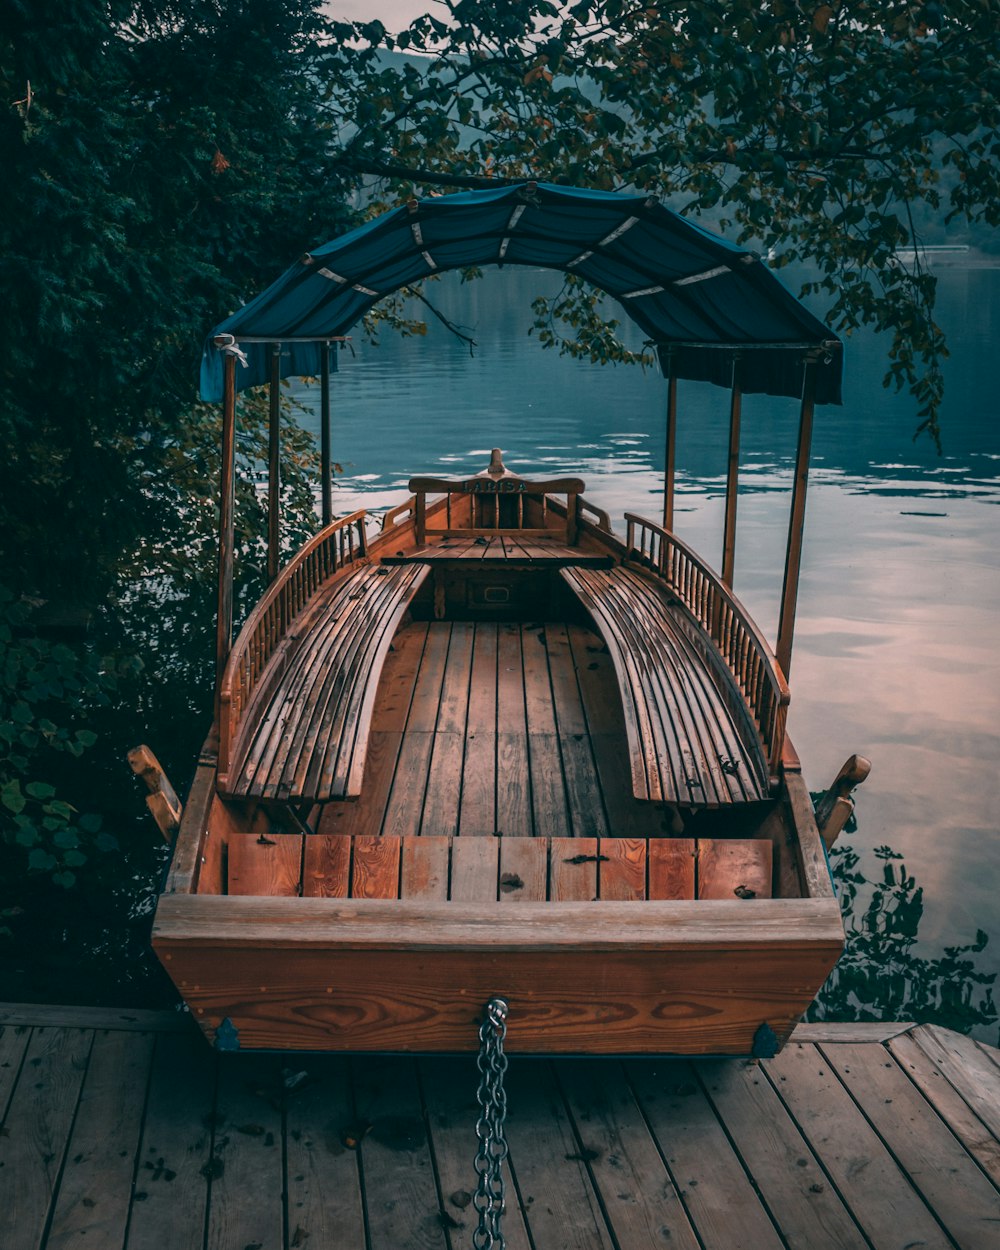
{"points": [[700, 299]]}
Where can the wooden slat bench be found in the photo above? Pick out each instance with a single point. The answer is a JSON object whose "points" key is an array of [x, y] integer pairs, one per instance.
{"points": [[312, 722], [491, 869], [683, 743]]}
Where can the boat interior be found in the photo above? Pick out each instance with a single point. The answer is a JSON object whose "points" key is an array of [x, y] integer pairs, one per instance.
{"points": [[497, 700]]}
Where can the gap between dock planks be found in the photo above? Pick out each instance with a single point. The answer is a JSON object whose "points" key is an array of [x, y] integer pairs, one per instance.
{"points": [[143, 1138]]}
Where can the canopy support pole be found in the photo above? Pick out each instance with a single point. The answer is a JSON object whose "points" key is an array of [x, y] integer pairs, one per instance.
{"points": [[224, 626], [732, 480], [793, 556], [670, 454], [274, 465], [326, 484]]}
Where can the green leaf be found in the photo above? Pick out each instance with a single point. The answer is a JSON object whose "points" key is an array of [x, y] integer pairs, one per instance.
{"points": [[12, 798], [40, 860], [40, 790]]}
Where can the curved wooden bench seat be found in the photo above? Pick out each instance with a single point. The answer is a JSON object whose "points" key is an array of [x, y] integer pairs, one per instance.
{"points": [[686, 745], [309, 719]]}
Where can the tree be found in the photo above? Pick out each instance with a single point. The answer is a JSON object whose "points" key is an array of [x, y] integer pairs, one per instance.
{"points": [[162, 161], [832, 134]]}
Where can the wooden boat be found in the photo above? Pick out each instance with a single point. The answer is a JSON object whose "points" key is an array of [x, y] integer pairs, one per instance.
{"points": [[493, 747]]}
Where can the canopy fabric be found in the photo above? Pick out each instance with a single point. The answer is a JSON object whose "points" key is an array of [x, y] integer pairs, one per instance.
{"points": [[701, 300]]}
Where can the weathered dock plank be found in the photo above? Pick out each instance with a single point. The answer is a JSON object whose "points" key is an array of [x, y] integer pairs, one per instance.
{"points": [[145, 1139], [809, 1212], [172, 1168], [94, 1191], [635, 1188], [710, 1176], [36, 1132], [879, 1194], [937, 1166], [322, 1177]]}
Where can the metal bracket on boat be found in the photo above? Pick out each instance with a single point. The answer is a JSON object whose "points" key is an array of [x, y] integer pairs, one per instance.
{"points": [[490, 1198], [227, 1038], [765, 1042]]}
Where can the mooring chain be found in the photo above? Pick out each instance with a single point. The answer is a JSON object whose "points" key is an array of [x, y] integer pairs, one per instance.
{"points": [[491, 1190]]}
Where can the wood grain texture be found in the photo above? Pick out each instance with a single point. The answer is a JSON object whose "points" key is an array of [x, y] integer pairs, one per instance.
{"points": [[477, 810], [552, 1176], [449, 1092], [672, 868], [636, 1190], [982, 1144], [425, 868], [271, 867], [405, 801], [326, 871], [92, 1206], [474, 869], [641, 1156], [375, 868], [247, 1175], [14, 1040], [943, 1173], [396, 1159], [524, 870], [573, 870], [322, 1176], [734, 868], [366, 814], [17, 1018], [570, 998], [175, 1149], [807, 1209], [513, 786], [971, 1073], [622, 868], [707, 1171], [882, 1200], [36, 1129]]}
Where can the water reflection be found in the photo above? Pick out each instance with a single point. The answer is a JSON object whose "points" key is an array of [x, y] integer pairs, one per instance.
{"points": [[882, 975], [895, 653]]}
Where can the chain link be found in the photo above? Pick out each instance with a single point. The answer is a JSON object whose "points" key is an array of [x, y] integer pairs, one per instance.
{"points": [[491, 1191]]}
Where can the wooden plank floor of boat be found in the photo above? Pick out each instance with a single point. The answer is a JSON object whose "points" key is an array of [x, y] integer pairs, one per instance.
{"points": [[123, 1130], [506, 728]]}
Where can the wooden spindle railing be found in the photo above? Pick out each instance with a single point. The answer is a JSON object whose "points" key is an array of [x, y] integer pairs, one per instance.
{"points": [[333, 548], [721, 615]]}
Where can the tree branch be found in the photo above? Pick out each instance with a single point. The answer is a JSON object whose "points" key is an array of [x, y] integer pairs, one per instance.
{"points": [[449, 325]]}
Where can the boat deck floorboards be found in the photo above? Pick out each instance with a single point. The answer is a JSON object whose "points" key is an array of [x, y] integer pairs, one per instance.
{"points": [[122, 1130], [509, 728]]}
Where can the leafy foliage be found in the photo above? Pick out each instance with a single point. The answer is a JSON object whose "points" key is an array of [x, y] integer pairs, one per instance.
{"points": [[44, 685], [158, 170], [882, 975], [830, 134]]}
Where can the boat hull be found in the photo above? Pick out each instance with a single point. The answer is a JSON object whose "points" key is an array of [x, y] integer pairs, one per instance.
{"points": [[354, 975]]}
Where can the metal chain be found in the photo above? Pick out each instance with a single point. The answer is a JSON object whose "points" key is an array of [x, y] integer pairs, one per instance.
{"points": [[491, 1191]]}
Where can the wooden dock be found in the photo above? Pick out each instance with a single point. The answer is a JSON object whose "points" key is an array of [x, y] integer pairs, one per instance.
{"points": [[122, 1129]]}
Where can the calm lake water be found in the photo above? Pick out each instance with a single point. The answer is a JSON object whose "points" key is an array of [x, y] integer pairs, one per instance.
{"points": [[896, 652]]}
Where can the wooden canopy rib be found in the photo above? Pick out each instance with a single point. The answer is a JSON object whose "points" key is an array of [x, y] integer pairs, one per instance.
{"points": [[684, 744], [313, 720]]}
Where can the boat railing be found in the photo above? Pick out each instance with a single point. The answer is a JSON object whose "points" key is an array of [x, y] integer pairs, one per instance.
{"points": [[391, 518], [603, 518], [334, 547], [718, 612]]}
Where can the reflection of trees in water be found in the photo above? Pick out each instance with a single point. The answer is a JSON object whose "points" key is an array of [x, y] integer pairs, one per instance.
{"points": [[881, 976]]}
